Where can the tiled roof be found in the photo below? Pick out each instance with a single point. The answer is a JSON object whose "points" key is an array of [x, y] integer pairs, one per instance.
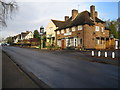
{"points": [[58, 23], [99, 20], [25, 33], [81, 19], [106, 28]]}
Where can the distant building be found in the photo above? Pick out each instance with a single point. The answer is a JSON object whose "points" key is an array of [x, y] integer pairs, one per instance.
{"points": [[16, 38], [83, 30], [23, 36]]}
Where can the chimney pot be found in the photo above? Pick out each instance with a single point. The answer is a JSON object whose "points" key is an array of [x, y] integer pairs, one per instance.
{"points": [[74, 13], [92, 12], [96, 14], [66, 18]]}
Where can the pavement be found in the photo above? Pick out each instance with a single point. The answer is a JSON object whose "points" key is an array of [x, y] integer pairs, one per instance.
{"points": [[65, 69], [13, 77], [102, 59]]}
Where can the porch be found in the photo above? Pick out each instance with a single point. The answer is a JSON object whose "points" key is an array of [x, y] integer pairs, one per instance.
{"points": [[105, 43]]}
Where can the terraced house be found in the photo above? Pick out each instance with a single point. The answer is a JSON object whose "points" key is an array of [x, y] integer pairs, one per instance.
{"points": [[83, 30]]}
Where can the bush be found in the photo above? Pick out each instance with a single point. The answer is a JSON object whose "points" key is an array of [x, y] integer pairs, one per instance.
{"points": [[51, 47]]}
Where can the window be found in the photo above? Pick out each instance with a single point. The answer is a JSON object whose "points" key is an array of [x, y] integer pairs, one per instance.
{"points": [[102, 41], [62, 31], [67, 30], [102, 29], [93, 33], [50, 28], [73, 28], [96, 28], [75, 42], [59, 43], [97, 41], [66, 42], [80, 27], [81, 41], [58, 32], [72, 42]]}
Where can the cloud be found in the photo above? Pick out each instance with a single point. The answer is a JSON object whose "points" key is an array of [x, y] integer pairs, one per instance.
{"points": [[67, 0], [33, 14]]}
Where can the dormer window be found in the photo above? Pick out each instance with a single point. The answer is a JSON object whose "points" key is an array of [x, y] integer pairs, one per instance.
{"points": [[73, 29], [97, 28], [67, 30], [80, 27]]}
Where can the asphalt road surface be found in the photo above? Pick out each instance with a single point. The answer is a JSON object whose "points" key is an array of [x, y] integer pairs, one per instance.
{"points": [[62, 69]]}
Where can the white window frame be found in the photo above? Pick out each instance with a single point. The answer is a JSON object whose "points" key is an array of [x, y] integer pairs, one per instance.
{"points": [[102, 29], [97, 41], [58, 32], [97, 28], [80, 27], [72, 42], [59, 43], [75, 40], [62, 31], [67, 30], [73, 29], [66, 42]]}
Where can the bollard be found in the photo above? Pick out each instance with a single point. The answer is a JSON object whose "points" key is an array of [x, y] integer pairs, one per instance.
{"points": [[99, 53], [105, 54], [92, 53], [113, 54]]}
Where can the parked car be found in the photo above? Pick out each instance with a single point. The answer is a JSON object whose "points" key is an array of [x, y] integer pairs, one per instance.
{"points": [[5, 44]]}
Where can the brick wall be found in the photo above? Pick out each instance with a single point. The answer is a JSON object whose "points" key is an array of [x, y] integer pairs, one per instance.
{"points": [[88, 34]]}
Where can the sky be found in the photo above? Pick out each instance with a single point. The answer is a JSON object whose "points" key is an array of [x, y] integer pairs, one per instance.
{"points": [[35, 13]]}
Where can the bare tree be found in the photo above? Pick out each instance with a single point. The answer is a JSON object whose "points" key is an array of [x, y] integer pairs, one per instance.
{"points": [[6, 11]]}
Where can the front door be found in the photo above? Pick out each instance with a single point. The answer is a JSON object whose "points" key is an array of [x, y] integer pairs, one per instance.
{"points": [[75, 42], [63, 44]]}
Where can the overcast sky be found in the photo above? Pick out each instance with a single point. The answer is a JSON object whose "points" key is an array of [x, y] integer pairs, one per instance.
{"points": [[35, 13]]}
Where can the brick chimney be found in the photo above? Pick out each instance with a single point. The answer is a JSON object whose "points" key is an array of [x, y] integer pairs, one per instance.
{"points": [[66, 18], [92, 12], [74, 13], [96, 14]]}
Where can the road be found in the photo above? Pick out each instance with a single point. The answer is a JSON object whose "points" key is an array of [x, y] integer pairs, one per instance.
{"points": [[62, 69]]}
